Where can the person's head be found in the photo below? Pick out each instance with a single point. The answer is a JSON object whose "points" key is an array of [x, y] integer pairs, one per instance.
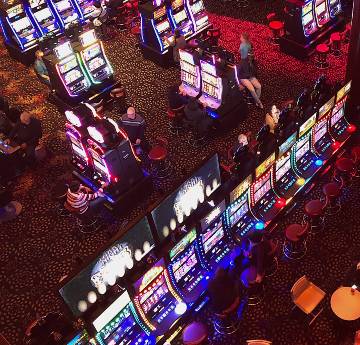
{"points": [[74, 186], [13, 114], [244, 38], [39, 54], [358, 266], [131, 113], [242, 139], [220, 272], [177, 33], [256, 237], [193, 104], [25, 118]]}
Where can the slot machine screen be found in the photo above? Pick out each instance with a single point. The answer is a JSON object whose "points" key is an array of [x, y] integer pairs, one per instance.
{"points": [[186, 57], [35, 3], [72, 76], [240, 189], [321, 8], [63, 50], [14, 11], [63, 5], [87, 38], [282, 167], [163, 26], [215, 213], [238, 211], [65, 67], [301, 148], [307, 18], [160, 12], [320, 130], [115, 261], [307, 8], [43, 14], [261, 188], [208, 68], [336, 117], [81, 338], [287, 144], [182, 244], [176, 3], [187, 67], [21, 24], [96, 63], [307, 125], [77, 147], [188, 78], [180, 204], [212, 236], [179, 17], [326, 107], [92, 52], [265, 165], [343, 91], [209, 79]]}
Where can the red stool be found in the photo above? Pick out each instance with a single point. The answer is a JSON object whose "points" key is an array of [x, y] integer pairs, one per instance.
{"points": [[135, 30], [277, 29], [118, 96], [294, 246], [271, 17], [345, 35], [255, 291], [175, 117], [332, 191], [158, 156], [355, 155], [344, 169], [335, 42], [322, 51], [314, 214], [195, 333]]}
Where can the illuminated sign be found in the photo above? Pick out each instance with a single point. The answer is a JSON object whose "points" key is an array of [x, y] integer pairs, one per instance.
{"points": [[286, 145], [326, 107], [95, 134], [307, 125], [213, 215], [182, 244], [265, 165], [240, 189], [72, 118], [343, 91]]}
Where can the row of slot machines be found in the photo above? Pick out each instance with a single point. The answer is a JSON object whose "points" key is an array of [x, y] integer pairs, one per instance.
{"points": [[25, 23], [102, 153], [216, 87], [192, 232], [307, 23], [78, 69], [159, 19]]}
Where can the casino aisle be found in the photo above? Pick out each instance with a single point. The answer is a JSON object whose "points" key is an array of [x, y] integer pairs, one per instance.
{"points": [[35, 254]]}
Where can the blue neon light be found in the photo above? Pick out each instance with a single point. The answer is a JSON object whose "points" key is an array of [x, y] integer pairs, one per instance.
{"points": [[157, 35], [172, 19], [15, 34], [55, 10], [142, 28], [259, 226], [319, 162], [212, 114], [7, 39]]}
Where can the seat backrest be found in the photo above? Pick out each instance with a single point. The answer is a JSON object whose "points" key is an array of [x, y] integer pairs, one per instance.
{"points": [[299, 287], [258, 342]]}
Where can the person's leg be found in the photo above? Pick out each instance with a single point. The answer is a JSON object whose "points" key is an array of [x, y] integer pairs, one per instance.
{"points": [[247, 83], [257, 86], [30, 154], [95, 206]]}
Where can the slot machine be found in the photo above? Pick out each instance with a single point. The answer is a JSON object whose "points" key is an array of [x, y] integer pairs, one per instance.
{"points": [[198, 15], [156, 300], [94, 60], [155, 26], [239, 218], [321, 12], [212, 85], [214, 240], [285, 180], [114, 161], [21, 36], [85, 8], [180, 17], [265, 203], [67, 76], [334, 8], [67, 12], [43, 17], [186, 272], [81, 338], [120, 324], [190, 73], [321, 139]]}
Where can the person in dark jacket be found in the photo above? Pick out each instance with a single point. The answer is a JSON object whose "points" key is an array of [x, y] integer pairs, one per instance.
{"points": [[177, 43], [176, 98], [197, 117]]}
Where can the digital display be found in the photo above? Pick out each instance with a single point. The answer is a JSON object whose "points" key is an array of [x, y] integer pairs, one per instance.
{"points": [[92, 52], [197, 7], [238, 210], [179, 17], [336, 117], [307, 125], [22, 24], [63, 50], [178, 206], [326, 107], [307, 18], [307, 8], [163, 26], [343, 91], [81, 338], [261, 188], [240, 189], [187, 67], [176, 3], [301, 148], [282, 167], [68, 65], [185, 264], [209, 79], [182, 244], [160, 12], [212, 236], [321, 8], [208, 68], [87, 38], [115, 261], [63, 5], [96, 63], [72, 76], [287, 144], [186, 57], [320, 130], [14, 11], [43, 14], [35, 3], [79, 151], [265, 165]]}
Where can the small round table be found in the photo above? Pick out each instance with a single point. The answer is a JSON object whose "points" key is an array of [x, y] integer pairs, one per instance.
{"points": [[345, 304]]}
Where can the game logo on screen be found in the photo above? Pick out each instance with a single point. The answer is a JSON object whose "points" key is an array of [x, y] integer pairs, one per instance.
{"points": [[240, 189], [178, 206], [326, 107], [120, 257], [265, 165], [287, 145], [307, 125]]}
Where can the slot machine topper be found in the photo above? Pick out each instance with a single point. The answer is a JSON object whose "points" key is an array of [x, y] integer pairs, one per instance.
{"points": [[180, 17], [321, 12], [93, 57], [190, 73], [43, 17]]}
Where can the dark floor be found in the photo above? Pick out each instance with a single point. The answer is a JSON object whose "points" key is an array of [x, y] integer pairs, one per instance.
{"points": [[39, 247]]}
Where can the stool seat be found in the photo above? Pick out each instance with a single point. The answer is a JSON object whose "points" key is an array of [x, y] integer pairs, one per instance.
{"points": [[293, 231], [322, 48], [335, 37], [158, 153], [276, 25], [331, 190], [314, 208], [248, 276], [194, 334], [135, 30], [171, 114], [344, 165]]}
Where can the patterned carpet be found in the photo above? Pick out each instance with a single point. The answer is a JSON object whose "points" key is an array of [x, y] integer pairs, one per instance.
{"points": [[40, 247]]}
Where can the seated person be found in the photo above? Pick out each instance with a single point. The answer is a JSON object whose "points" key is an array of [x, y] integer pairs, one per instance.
{"points": [[99, 16], [40, 68], [353, 276], [272, 118], [177, 97], [223, 291], [26, 133], [177, 43], [267, 143], [82, 200], [197, 117], [243, 158], [134, 125]]}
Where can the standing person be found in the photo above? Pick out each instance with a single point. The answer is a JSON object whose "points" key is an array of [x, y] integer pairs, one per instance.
{"points": [[177, 43], [40, 68]]}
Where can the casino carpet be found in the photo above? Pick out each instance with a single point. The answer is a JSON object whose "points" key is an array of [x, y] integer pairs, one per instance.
{"points": [[40, 247]]}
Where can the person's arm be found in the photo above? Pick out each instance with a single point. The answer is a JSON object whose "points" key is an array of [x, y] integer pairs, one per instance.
{"points": [[14, 131]]}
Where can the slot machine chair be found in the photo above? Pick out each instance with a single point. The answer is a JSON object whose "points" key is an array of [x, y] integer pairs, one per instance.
{"points": [[176, 119], [158, 156], [294, 247], [196, 333], [344, 170], [277, 29], [335, 44], [254, 291], [332, 192], [228, 321], [322, 51], [315, 215]]}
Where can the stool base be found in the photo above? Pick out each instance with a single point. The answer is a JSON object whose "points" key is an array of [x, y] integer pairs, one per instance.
{"points": [[295, 254], [322, 65], [227, 327], [273, 268]]}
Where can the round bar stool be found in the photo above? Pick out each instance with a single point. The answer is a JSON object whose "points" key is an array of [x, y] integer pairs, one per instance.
{"points": [[59, 194], [322, 51], [118, 97], [86, 224], [355, 155], [255, 291], [332, 191], [158, 156], [277, 28], [314, 214], [175, 117], [294, 247], [228, 322], [272, 262], [195, 333], [335, 42], [344, 168]]}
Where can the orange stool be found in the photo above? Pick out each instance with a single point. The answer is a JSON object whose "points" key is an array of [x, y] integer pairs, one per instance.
{"points": [[344, 169], [158, 156], [277, 29], [332, 191], [322, 51], [314, 214], [335, 42], [195, 333]]}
